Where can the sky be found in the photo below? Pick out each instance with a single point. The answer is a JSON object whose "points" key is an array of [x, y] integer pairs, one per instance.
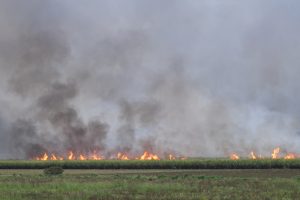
{"points": [[198, 78]]}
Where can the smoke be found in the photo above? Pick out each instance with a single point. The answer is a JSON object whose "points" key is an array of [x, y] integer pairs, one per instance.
{"points": [[198, 78], [68, 126]]}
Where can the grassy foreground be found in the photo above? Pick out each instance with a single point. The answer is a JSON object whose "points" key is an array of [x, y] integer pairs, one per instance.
{"points": [[162, 164], [151, 184]]}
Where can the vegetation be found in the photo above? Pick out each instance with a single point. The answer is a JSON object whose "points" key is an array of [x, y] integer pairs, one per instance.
{"points": [[54, 170], [162, 164], [151, 184]]}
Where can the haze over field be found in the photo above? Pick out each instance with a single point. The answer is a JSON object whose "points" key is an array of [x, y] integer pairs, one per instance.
{"points": [[198, 78]]}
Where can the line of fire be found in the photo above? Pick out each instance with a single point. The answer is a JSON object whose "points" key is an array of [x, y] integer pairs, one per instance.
{"points": [[94, 155]]}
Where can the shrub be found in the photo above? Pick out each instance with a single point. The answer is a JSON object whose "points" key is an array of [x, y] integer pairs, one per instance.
{"points": [[54, 170]]}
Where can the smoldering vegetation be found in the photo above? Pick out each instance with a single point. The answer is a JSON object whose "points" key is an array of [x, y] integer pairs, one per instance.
{"points": [[196, 78]]}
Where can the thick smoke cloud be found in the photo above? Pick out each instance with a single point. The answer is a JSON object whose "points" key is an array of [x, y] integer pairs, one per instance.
{"points": [[200, 78]]}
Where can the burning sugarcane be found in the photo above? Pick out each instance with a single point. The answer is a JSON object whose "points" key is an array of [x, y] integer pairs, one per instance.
{"points": [[274, 155]]}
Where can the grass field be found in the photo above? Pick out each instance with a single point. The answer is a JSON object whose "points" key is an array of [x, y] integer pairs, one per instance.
{"points": [[231, 184]]}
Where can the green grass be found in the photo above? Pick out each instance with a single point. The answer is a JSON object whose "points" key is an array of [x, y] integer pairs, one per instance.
{"points": [[251, 184], [162, 164]]}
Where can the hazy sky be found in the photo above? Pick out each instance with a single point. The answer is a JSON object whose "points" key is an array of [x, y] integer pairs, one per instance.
{"points": [[200, 78]]}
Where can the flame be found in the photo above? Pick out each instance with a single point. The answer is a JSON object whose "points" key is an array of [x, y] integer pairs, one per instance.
{"points": [[275, 153], [149, 156], [290, 156], [253, 156], [82, 157], [234, 156], [95, 156], [171, 157], [71, 156], [44, 157], [53, 157], [122, 156]]}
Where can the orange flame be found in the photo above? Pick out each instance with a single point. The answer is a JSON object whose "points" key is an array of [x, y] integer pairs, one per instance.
{"points": [[290, 156], [122, 156], [171, 157], [253, 156], [149, 156], [234, 156], [44, 157], [82, 157], [71, 156], [95, 156], [53, 157], [275, 153]]}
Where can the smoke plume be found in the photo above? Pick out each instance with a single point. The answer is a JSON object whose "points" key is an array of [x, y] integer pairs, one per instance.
{"points": [[199, 78]]}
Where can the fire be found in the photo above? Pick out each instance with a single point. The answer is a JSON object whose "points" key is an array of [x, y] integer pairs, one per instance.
{"points": [[253, 156], [275, 153], [55, 157], [290, 156], [44, 157], [149, 156], [71, 156], [95, 156], [234, 156], [122, 156], [82, 157], [171, 157]]}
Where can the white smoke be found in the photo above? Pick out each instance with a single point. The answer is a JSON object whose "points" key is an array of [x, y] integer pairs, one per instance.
{"points": [[202, 78]]}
